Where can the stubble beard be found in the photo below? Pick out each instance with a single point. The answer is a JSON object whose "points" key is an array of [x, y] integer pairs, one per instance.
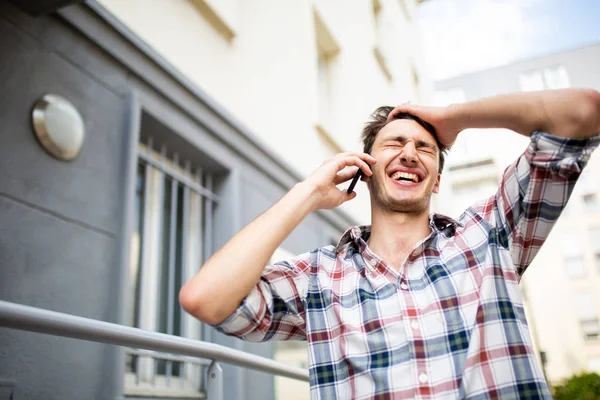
{"points": [[389, 205]]}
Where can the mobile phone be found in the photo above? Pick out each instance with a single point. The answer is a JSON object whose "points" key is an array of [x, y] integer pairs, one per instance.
{"points": [[357, 176]]}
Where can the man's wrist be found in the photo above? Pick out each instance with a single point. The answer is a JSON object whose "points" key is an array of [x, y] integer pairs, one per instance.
{"points": [[307, 195], [460, 117]]}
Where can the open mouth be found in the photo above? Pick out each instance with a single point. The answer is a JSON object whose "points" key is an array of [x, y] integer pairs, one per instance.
{"points": [[405, 177]]}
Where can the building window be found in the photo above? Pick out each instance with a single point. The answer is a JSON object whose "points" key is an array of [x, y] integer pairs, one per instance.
{"points": [[549, 78], [327, 52], [595, 244], [573, 261], [222, 15], [574, 266], [590, 202], [405, 10], [585, 307], [594, 365], [173, 216], [381, 35]]}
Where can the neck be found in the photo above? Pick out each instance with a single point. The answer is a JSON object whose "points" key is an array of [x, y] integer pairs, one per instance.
{"points": [[394, 234]]}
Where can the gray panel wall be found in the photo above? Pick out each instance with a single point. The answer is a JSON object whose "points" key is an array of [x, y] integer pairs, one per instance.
{"points": [[61, 223]]}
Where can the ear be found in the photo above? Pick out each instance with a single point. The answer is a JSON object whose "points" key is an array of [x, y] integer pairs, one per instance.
{"points": [[436, 186]]}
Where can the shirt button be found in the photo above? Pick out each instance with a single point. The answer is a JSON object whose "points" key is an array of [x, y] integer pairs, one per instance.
{"points": [[373, 262], [415, 325], [404, 286], [423, 378]]}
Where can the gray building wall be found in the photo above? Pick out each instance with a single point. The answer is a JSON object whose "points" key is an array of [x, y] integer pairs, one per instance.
{"points": [[582, 65], [64, 226]]}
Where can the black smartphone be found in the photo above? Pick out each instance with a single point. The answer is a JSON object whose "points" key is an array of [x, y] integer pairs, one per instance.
{"points": [[358, 175]]}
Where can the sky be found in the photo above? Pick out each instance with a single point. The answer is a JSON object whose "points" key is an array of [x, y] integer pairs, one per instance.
{"points": [[462, 36]]}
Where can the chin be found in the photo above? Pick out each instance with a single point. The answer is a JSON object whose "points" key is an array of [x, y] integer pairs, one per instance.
{"points": [[410, 206]]}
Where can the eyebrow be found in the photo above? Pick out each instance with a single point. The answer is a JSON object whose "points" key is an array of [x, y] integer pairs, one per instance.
{"points": [[403, 140]]}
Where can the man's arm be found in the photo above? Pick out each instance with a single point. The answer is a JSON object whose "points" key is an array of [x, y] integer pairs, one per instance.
{"points": [[563, 125], [568, 113], [232, 272]]}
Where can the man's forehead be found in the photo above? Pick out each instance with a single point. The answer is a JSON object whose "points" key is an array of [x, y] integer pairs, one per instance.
{"points": [[406, 128]]}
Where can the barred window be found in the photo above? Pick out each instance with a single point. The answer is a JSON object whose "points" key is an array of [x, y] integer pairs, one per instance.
{"points": [[171, 235]]}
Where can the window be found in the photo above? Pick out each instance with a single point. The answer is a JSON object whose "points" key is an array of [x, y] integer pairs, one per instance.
{"points": [[405, 10], [222, 15], [574, 266], [173, 209], [585, 307], [595, 244], [573, 261], [594, 365], [549, 78], [590, 202], [327, 51], [381, 36]]}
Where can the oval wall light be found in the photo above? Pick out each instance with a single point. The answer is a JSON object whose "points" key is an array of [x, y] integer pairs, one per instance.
{"points": [[58, 126]]}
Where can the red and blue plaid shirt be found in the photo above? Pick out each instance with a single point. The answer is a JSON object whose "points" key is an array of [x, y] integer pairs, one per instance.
{"points": [[449, 324]]}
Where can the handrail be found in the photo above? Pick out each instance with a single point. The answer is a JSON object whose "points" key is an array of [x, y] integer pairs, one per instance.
{"points": [[26, 318]]}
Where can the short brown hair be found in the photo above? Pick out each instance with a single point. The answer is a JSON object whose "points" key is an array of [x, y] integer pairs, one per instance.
{"points": [[379, 120]]}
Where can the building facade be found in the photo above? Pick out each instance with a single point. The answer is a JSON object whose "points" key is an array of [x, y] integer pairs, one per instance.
{"points": [[562, 287], [198, 115]]}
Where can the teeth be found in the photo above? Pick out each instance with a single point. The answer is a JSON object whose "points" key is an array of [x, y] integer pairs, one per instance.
{"points": [[397, 175]]}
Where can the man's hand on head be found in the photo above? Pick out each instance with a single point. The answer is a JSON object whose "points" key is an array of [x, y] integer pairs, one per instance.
{"points": [[447, 126]]}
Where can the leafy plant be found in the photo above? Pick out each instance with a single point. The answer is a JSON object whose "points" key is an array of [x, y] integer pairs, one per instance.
{"points": [[585, 386]]}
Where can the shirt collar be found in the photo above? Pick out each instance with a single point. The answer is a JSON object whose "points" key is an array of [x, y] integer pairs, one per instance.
{"points": [[438, 223]]}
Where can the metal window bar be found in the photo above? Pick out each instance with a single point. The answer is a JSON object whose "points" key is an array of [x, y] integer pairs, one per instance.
{"points": [[208, 242], [184, 250], [32, 319], [171, 277]]}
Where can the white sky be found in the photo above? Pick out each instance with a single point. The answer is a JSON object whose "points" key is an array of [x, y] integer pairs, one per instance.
{"points": [[461, 36]]}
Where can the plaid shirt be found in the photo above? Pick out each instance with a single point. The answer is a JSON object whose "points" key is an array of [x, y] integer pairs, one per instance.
{"points": [[451, 323]]}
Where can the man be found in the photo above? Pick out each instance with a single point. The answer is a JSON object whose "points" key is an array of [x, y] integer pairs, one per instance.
{"points": [[416, 305]]}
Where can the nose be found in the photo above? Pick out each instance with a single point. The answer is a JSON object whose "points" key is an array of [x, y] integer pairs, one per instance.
{"points": [[409, 153]]}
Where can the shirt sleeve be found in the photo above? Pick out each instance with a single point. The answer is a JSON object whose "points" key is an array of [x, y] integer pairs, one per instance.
{"points": [[533, 192], [275, 308]]}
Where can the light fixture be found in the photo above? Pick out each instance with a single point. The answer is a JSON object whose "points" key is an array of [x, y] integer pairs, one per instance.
{"points": [[58, 126]]}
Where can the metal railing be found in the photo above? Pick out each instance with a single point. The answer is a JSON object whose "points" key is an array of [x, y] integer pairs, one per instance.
{"points": [[32, 319]]}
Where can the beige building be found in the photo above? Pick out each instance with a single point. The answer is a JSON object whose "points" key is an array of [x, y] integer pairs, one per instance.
{"points": [[302, 76], [561, 287]]}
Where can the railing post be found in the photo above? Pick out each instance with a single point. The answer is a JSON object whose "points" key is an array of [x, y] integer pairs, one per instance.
{"points": [[214, 382]]}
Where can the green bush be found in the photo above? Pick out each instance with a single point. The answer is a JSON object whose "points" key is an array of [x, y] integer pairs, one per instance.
{"points": [[585, 386]]}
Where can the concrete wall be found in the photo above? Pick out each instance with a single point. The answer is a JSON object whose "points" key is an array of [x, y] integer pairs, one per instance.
{"points": [[60, 221]]}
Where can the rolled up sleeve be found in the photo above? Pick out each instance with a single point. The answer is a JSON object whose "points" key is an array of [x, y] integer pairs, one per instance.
{"points": [[275, 308], [534, 191]]}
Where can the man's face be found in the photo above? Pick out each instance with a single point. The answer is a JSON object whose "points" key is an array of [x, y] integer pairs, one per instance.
{"points": [[406, 173]]}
